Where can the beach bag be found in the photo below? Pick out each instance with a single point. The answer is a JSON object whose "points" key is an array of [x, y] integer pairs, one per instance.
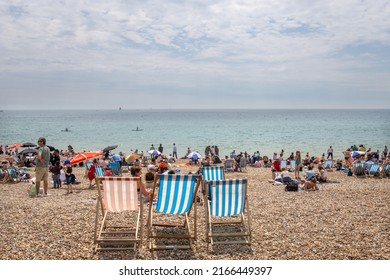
{"points": [[33, 190], [291, 186]]}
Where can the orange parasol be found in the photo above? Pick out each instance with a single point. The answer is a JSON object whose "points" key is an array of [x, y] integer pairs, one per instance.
{"points": [[83, 156], [14, 146]]}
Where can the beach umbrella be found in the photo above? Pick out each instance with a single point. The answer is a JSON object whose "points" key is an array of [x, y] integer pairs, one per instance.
{"points": [[109, 148], [133, 155], [356, 154], [51, 148], [28, 145], [83, 156], [14, 146], [194, 155], [154, 152], [29, 151]]}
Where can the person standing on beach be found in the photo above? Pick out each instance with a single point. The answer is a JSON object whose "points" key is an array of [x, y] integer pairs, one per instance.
{"points": [[330, 153], [298, 164], [68, 176], [160, 149], [42, 167], [174, 153]]}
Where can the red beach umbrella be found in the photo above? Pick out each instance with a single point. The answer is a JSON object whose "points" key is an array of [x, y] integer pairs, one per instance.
{"points": [[14, 146], [83, 156]]}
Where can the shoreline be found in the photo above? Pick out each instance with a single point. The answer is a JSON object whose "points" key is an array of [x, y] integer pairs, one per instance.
{"points": [[347, 219]]}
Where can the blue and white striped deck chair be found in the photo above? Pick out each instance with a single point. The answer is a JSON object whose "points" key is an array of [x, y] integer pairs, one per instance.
{"points": [[99, 172], [175, 199], [373, 169], [283, 164], [386, 169], [358, 169], [12, 175], [292, 165], [213, 173], [328, 164], [228, 219]]}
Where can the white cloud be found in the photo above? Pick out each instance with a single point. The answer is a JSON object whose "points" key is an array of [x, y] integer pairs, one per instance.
{"points": [[278, 43]]}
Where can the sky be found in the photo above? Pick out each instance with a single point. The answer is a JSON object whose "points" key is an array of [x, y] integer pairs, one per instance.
{"points": [[194, 54]]}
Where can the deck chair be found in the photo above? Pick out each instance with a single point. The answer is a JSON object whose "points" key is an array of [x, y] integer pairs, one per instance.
{"points": [[283, 164], [12, 175], [328, 164], [358, 169], [121, 222], [373, 169], [213, 173], [228, 219], [115, 167], [168, 219], [99, 172], [292, 166], [88, 165], [229, 165], [243, 163], [386, 169]]}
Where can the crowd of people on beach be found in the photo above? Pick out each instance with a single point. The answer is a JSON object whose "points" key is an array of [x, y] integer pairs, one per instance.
{"points": [[57, 162]]}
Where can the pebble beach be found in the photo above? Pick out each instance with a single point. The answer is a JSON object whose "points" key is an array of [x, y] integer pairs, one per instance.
{"points": [[347, 219]]}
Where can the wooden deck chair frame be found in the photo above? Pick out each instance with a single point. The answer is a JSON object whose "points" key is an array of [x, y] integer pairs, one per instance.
{"points": [[227, 205], [176, 198], [386, 169], [119, 195]]}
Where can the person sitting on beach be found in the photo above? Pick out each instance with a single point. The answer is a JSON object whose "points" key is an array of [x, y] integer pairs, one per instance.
{"points": [[162, 167], [322, 176], [311, 185], [137, 172]]}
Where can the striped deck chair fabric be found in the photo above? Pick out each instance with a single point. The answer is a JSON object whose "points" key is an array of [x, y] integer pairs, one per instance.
{"points": [[120, 194], [176, 193], [227, 197], [175, 200], [228, 219], [292, 165], [99, 172], [386, 169], [213, 173], [373, 169]]}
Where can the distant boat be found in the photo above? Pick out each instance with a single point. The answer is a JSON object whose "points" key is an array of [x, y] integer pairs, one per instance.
{"points": [[120, 108], [66, 130], [137, 129]]}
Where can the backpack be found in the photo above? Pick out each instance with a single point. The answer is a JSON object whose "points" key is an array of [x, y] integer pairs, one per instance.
{"points": [[291, 186]]}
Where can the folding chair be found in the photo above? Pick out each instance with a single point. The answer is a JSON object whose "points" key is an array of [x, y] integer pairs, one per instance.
{"points": [[243, 163], [118, 205], [386, 169], [373, 169], [228, 219], [213, 173], [292, 166], [12, 175], [229, 165], [88, 165], [358, 169], [283, 164], [168, 219], [99, 172]]}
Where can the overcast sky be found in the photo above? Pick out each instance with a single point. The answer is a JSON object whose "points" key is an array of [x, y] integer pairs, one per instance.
{"points": [[194, 54]]}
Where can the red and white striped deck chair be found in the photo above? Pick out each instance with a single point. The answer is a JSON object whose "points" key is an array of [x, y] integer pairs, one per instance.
{"points": [[121, 210]]}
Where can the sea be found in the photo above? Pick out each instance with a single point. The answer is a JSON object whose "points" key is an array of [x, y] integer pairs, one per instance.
{"points": [[266, 131]]}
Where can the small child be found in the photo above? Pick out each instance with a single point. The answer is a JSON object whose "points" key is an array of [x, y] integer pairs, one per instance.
{"points": [[68, 176], [56, 170]]}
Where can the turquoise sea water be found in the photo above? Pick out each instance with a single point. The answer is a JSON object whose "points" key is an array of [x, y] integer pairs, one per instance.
{"points": [[267, 131]]}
